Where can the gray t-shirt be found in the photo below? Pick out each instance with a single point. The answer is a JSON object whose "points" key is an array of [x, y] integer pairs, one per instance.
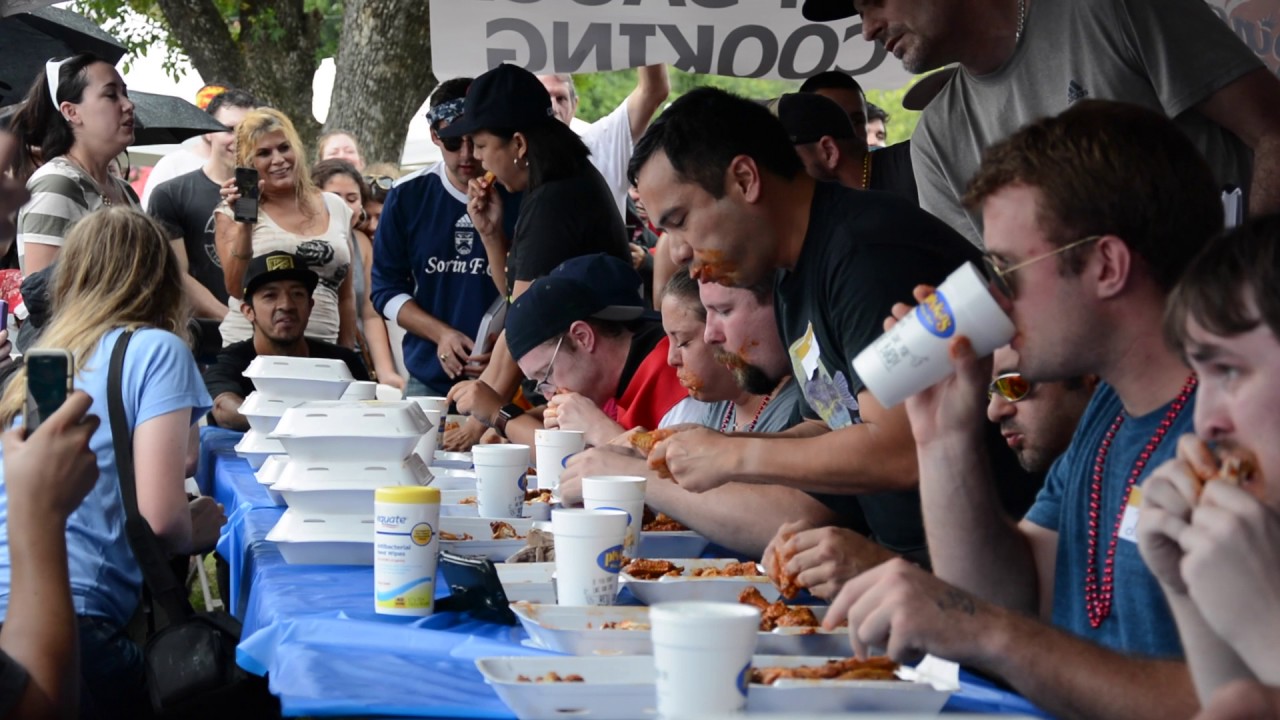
{"points": [[776, 417], [1167, 55]]}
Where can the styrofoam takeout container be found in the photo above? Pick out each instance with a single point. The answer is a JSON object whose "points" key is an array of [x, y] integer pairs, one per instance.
{"points": [[332, 540], [483, 543], [280, 376], [686, 587], [344, 488], [528, 582], [256, 447], [343, 431], [576, 631], [624, 687], [453, 460], [269, 473], [264, 412]]}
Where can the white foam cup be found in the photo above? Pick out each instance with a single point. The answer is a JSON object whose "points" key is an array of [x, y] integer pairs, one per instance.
{"points": [[361, 390], [913, 355], [440, 405], [501, 479], [426, 447], [554, 448], [588, 546], [618, 492], [702, 652]]}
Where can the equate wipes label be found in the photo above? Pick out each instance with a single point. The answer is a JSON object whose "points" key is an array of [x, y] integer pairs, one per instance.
{"points": [[405, 552]]}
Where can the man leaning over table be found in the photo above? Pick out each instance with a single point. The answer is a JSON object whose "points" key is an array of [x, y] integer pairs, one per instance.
{"points": [[585, 333], [1083, 272], [277, 303], [718, 173]]}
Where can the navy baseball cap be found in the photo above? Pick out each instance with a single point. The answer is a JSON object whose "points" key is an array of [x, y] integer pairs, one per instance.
{"points": [[827, 10], [505, 98], [809, 117], [598, 286]]}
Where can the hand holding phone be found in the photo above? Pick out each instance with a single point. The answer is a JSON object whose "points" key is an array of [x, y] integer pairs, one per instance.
{"points": [[245, 208], [49, 373]]}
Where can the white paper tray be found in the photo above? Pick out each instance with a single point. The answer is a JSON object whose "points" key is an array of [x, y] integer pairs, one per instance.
{"points": [[564, 629], [623, 687], [264, 412], [278, 376], [673, 544], [269, 473], [256, 447], [496, 550], [344, 431], [686, 587], [334, 540], [528, 582], [454, 460]]}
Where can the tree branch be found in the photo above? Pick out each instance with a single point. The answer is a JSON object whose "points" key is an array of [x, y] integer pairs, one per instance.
{"points": [[202, 32]]}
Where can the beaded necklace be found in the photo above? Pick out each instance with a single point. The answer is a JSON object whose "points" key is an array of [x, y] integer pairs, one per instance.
{"points": [[731, 415], [1097, 595]]}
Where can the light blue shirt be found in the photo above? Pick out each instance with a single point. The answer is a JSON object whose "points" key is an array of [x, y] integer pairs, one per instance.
{"points": [[160, 376]]}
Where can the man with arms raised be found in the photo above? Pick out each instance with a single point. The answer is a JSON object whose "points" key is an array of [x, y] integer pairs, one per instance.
{"points": [[1083, 272], [1020, 60], [718, 173]]}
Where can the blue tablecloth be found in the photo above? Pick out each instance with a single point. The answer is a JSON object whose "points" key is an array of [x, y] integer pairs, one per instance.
{"points": [[312, 630]]}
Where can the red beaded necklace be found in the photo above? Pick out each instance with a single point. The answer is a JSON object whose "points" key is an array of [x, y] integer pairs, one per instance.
{"points": [[731, 415], [1097, 596]]}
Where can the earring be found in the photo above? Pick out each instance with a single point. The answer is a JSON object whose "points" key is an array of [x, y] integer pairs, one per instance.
{"points": [[515, 161]]}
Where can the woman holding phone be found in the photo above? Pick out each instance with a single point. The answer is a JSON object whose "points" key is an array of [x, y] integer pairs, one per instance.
{"points": [[106, 259], [293, 216]]}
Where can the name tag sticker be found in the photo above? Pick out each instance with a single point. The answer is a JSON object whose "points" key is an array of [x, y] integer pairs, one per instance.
{"points": [[1129, 523]]}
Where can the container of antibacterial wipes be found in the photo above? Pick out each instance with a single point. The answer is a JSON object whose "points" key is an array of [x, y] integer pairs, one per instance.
{"points": [[405, 549]]}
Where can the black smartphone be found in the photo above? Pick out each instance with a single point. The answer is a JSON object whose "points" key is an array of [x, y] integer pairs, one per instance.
{"points": [[246, 208], [474, 588], [48, 385]]}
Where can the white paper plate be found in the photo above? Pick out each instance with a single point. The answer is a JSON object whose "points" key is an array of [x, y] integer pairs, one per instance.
{"points": [[256, 447], [528, 582], [335, 540], [278, 376], [496, 550], [576, 631], [686, 587], [623, 687], [672, 544]]}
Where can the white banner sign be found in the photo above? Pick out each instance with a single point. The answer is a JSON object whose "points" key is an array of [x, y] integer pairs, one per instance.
{"points": [[1257, 23], [743, 38]]}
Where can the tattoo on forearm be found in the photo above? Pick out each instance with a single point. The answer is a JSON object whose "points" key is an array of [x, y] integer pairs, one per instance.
{"points": [[955, 600]]}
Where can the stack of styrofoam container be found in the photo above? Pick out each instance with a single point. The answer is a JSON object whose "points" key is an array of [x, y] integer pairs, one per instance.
{"points": [[282, 382], [339, 453]]}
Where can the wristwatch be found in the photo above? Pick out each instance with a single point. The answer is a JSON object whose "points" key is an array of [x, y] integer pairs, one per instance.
{"points": [[505, 415]]}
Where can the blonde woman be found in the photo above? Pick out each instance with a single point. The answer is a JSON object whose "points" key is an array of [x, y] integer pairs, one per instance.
{"points": [[116, 271], [293, 216]]}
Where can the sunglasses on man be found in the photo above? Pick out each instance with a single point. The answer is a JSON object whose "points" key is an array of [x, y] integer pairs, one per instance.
{"points": [[1011, 386]]}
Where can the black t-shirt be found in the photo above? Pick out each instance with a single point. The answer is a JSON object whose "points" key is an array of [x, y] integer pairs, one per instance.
{"points": [[13, 681], [563, 219], [227, 373], [184, 205], [863, 252], [891, 171]]}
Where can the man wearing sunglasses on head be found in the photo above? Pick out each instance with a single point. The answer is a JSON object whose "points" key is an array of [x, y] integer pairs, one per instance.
{"points": [[1090, 218], [1036, 419], [430, 270]]}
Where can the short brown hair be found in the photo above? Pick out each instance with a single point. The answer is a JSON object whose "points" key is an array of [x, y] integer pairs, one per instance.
{"points": [[1232, 286], [1110, 168]]}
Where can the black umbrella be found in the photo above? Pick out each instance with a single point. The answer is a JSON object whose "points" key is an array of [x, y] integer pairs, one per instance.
{"points": [[29, 39], [165, 119]]}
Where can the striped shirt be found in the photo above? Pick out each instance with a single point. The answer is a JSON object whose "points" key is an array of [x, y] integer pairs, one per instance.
{"points": [[61, 194]]}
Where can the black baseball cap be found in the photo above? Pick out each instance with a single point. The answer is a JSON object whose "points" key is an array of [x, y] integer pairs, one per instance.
{"points": [[827, 10], [274, 266], [505, 98], [809, 117], [598, 286]]}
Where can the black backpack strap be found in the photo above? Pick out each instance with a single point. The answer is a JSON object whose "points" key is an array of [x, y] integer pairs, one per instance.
{"points": [[166, 593]]}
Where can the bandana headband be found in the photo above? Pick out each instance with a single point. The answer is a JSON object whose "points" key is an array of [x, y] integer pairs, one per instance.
{"points": [[446, 111]]}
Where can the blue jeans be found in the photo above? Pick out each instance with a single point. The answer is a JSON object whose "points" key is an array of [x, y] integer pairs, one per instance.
{"points": [[413, 387], [112, 672]]}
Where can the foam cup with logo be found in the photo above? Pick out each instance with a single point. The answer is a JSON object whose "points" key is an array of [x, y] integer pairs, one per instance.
{"points": [[588, 546], [500, 479], [617, 492], [553, 448], [913, 355], [426, 447], [702, 652], [440, 405]]}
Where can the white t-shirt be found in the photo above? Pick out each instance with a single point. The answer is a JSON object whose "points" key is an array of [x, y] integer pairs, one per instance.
{"points": [[179, 162], [610, 142]]}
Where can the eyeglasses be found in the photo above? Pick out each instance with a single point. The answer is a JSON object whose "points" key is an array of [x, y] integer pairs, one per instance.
{"points": [[1000, 276], [1010, 386], [545, 387], [382, 182]]}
